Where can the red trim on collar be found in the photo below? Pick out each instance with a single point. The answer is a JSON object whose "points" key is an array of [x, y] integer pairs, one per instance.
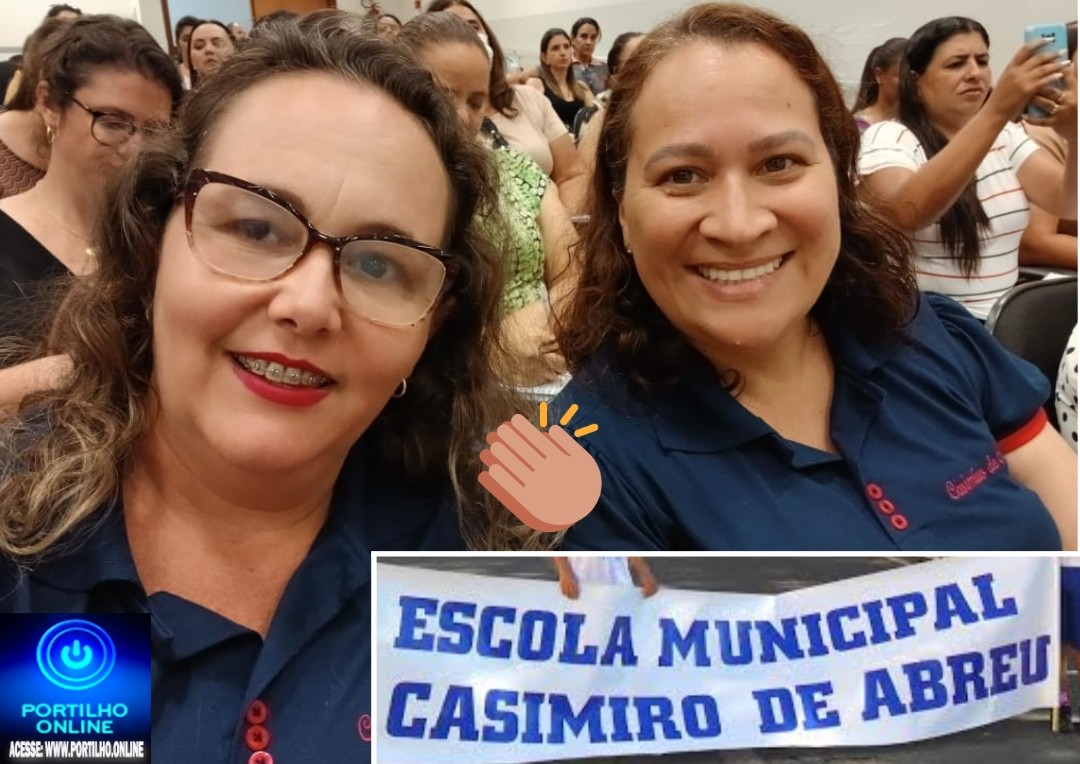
{"points": [[1025, 433]]}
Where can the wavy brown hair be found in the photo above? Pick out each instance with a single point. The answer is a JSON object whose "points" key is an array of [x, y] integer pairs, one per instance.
{"points": [[69, 450], [872, 286], [500, 93], [96, 42]]}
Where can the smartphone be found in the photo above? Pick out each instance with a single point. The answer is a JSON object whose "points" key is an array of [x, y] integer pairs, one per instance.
{"points": [[1057, 42]]}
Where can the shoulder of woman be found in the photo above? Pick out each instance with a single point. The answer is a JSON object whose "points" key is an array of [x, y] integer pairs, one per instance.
{"points": [[528, 97]]}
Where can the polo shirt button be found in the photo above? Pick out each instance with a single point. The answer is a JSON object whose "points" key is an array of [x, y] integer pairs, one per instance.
{"points": [[886, 506], [899, 522], [873, 490], [261, 757], [257, 737], [257, 713]]}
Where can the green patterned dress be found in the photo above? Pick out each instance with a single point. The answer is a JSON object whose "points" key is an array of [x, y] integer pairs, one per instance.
{"points": [[521, 187]]}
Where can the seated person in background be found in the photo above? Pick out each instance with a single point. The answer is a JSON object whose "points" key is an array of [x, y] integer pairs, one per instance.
{"points": [[388, 27], [523, 116], [585, 33], [182, 34], [878, 97], [105, 84], [624, 45], [249, 415], [211, 44], [556, 81], [621, 49], [539, 230], [949, 134], [748, 336], [239, 34], [24, 142]]}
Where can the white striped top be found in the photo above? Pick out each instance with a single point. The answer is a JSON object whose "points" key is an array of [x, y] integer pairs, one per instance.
{"points": [[891, 144]]}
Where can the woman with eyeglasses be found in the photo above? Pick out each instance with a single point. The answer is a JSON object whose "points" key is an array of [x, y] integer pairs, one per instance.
{"points": [[103, 84], [281, 364]]}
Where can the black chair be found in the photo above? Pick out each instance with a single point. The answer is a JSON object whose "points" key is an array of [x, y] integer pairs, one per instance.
{"points": [[1034, 320], [584, 114]]}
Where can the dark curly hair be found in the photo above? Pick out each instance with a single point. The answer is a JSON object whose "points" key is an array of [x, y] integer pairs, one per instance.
{"points": [[872, 286], [98, 417]]}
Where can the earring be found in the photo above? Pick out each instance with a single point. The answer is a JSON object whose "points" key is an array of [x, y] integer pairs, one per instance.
{"points": [[50, 134], [400, 391]]}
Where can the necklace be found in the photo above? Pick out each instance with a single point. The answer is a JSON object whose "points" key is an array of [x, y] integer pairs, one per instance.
{"points": [[90, 253]]}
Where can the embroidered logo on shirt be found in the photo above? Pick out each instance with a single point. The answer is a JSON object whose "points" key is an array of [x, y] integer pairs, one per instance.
{"points": [[363, 726], [974, 477]]}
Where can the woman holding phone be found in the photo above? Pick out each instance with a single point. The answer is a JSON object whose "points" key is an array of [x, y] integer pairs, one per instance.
{"points": [[956, 172]]}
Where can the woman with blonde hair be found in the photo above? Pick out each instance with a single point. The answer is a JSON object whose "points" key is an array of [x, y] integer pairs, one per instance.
{"points": [[282, 363]]}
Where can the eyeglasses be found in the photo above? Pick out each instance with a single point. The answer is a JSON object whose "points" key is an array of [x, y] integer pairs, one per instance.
{"points": [[250, 233], [111, 130]]}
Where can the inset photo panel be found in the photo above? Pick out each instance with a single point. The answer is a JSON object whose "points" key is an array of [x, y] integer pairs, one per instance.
{"points": [[487, 659]]}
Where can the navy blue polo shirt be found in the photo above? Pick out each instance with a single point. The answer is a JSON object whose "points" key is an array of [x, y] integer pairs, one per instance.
{"points": [[921, 428], [308, 685]]}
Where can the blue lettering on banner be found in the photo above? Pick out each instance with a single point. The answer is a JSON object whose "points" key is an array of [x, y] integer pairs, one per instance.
{"points": [[562, 716], [494, 712], [694, 639], [928, 684], [510, 716], [505, 633], [572, 652], [488, 617], [460, 641], [411, 607], [778, 712], [463, 713], [709, 725]]}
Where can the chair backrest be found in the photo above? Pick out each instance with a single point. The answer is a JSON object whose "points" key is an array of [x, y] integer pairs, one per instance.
{"points": [[1034, 320], [584, 114]]}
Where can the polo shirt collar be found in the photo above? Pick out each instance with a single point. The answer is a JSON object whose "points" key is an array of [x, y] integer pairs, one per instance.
{"points": [[335, 569], [698, 415], [99, 554]]}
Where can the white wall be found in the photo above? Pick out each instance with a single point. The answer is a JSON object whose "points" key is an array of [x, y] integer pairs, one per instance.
{"points": [[153, 19], [18, 18]]}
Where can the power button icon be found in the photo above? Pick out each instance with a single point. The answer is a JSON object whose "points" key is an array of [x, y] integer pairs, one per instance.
{"points": [[76, 654]]}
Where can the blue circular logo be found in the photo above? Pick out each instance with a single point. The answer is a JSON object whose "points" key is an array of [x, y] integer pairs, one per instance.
{"points": [[76, 654]]}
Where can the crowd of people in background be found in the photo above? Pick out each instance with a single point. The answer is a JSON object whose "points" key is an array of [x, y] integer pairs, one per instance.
{"points": [[246, 339], [650, 288]]}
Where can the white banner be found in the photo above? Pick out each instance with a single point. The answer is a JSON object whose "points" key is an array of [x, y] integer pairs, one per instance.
{"points": [[483, 670]]}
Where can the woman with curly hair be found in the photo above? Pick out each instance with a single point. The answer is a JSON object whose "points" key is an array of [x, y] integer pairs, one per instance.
{"points": [[281, 363], [748, 335]]}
